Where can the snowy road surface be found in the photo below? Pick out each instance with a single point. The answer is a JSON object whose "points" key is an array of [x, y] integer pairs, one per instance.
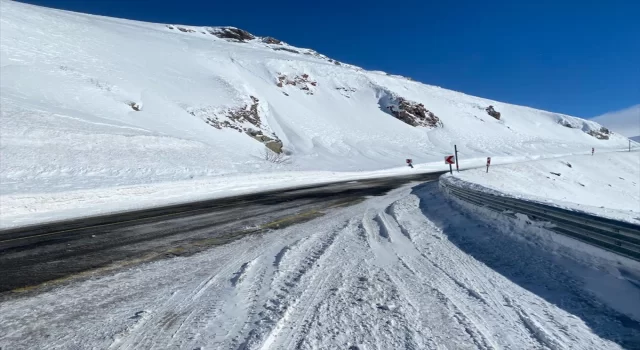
{"points": [[50, 253], [401, 271]]}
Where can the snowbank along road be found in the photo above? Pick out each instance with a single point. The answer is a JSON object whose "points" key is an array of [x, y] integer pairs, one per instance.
{"points": [[407, 270], [605, 184]]}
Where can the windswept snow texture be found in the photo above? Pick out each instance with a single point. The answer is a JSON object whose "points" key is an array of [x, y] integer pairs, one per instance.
{"points": [[626, 122], [401, 271], [94, 102], [604, 184]]}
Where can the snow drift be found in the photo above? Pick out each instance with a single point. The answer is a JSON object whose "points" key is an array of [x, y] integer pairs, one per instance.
{"points": [[91, 102]]}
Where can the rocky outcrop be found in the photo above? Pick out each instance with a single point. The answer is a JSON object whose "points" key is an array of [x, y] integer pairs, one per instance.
{"points": [[566, 124], [492, 112], [300, 81], [285, 49], [346, 91], [410, 112], [271, 40], [240, 118], [601, 134], [136, 107], [245, 119], [247, 114], [590, 128], [274, 144], [232, 33]]}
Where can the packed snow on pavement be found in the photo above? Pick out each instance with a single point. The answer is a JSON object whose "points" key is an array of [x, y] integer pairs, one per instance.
{"points": [[605, 184], [407, 270]]}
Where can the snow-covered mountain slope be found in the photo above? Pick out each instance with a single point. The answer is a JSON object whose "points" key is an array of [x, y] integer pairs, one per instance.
{"points": [[626, 122], [90, 101]]}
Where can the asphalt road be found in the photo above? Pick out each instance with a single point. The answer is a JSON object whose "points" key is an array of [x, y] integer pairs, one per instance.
{"points": [[37, 257]]}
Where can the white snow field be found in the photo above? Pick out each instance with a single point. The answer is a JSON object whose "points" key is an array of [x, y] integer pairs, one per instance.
{"points": [[94, 108], [406, 270], [604, 184]]}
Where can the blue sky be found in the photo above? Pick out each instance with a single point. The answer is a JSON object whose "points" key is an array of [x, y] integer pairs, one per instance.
{"points": [[576, 57]]}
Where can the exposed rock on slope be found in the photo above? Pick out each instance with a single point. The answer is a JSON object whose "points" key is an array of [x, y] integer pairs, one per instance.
{"points": [[245, 119], [410, 112], [588, 127], [273, 144], [231, 33], [492, 112], [601, 134], [270, 40], [136, 107], [300, 81]]}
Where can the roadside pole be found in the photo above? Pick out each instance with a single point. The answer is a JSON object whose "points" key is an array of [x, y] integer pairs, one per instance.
{"points": [[592, 150], [488, 163], [455, 148]]}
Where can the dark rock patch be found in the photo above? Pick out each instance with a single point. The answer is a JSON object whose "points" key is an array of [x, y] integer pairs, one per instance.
{"points": [[492, 112], [303, 82], [285, 49], [231, 33], [136, 107], [601, 134], [412, 113], [270, 40]]}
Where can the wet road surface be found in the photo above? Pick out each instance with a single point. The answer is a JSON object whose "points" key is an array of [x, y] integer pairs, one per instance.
{"points": [[51, 254]]}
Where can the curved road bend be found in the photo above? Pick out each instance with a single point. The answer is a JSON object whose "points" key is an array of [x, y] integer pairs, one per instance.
{"points": [[56, 252]]}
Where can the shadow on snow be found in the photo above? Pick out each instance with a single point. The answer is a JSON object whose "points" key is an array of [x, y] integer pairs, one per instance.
{"points": [[532, 268]]}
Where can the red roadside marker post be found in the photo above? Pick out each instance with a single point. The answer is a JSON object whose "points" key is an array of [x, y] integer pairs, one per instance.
{"points": [[450, 160], [592, 150], [488, 163]]}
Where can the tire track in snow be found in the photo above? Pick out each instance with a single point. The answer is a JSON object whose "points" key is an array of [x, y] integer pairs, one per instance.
{"points": [[537, 331], [408, 254], [382, 228], [287, 287], [390, 210], [415, 293], [363, 298], [161, 329]]}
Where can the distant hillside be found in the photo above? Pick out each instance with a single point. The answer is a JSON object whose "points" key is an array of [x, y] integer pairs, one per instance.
{"points": [[625, 122]]}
